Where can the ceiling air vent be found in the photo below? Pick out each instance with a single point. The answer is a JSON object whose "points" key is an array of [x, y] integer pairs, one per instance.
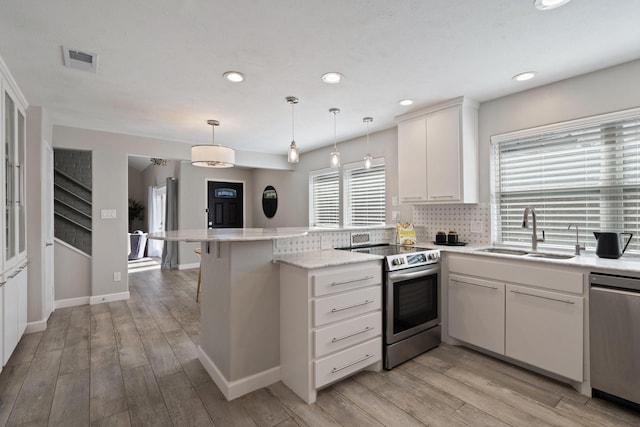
{"points": [[85, 61]]}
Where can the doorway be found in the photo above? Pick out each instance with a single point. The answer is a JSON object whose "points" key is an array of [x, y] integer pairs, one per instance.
{"points": [[225, 204]]}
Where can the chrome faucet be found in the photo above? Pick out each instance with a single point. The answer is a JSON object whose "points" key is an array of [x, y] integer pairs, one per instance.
{"points": [[534, 234], [578, 245]]}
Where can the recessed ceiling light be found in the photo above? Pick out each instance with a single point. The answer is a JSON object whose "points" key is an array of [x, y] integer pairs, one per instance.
{"points": [[522, 77], [332, 77], [405, 102], [549, 4], [234, 76]]}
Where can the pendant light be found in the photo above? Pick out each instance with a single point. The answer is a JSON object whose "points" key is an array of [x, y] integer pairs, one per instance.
{"points": [[294, 155], [335, 155], [367, 158], [213, 156]]}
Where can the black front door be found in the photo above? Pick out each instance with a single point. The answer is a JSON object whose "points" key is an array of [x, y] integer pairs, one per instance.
{"points": [[224, 204]]}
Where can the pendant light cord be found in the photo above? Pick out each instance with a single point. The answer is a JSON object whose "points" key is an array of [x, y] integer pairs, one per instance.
{"points": [[293, 121], [335, 133]]}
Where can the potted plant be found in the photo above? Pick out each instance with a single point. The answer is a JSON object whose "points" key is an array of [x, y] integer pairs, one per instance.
{"points": [[137, 238]]}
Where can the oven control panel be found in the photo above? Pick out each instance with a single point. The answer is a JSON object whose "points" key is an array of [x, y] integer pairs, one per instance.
{"points": [[401, 261]]}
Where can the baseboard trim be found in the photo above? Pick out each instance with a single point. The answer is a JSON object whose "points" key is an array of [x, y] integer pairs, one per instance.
{"points": [[99, 299], [234, 389], [37, 326], [71, 302], [188, 266]]}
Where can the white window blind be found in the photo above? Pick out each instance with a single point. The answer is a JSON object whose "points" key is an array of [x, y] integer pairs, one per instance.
{"points": [[365, 194], [587, 175], [324, 189]]}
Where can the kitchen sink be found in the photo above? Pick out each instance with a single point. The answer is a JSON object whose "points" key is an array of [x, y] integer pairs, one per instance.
{"points": [[520, 252], [551, 256], [504, 251]]}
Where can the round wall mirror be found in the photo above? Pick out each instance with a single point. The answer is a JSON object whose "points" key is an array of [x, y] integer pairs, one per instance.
{"points": [[269, 201]]}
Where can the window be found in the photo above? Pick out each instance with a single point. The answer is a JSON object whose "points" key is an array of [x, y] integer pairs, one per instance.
{"points": [[324, 198], [585, 172], [364, 194]]}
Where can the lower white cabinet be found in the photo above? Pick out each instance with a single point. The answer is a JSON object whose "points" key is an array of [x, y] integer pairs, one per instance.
{"points": [[530, 313], [330, 324], [476, 312], [2, 324], [14, 310], [545, 329]]}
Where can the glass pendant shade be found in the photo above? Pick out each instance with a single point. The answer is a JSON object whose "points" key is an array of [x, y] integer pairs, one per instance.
{"points": [[335, 159], [367, 157], [335, 155], [367, 161], [213, 156], [293, 155]]}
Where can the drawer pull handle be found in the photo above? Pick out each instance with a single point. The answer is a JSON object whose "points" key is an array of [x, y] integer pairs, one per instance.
{"points": [[335, 310], [367, 329], [539, 296], [367, 356], [346, 282], [3, 283], [476, 284], [448, 196], [15, 273]]}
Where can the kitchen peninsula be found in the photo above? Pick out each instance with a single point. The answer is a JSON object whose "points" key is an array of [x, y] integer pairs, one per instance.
{"points": [[240, 303]]}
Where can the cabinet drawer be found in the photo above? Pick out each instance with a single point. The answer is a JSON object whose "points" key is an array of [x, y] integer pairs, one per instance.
{"points": [[345, 334], [343, 279], [337, 366], [345, 305]]}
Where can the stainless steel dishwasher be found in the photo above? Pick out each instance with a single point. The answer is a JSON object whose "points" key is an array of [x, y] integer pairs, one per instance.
{"points": [[614, 322]]}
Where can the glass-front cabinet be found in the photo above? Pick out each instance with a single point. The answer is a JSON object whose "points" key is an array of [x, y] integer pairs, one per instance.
{"points": [[14, 156]]}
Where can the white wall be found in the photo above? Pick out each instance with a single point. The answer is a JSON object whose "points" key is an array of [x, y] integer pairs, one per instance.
{"points": [[293, 187], [612, 89], [77, 284], [38, 133], [110, 175]]}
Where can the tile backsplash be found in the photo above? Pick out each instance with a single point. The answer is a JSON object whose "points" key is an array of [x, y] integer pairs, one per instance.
{"points": [[325, 239], [460, 218]]}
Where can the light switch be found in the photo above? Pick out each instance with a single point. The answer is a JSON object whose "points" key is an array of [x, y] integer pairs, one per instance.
{"points": [[108, 214]]}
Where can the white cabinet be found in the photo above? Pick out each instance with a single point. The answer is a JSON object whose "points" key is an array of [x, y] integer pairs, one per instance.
{"points": [[545, 329], [2, 283], [529, 312], [330, 324], [14, 310], [412, 160], [438, 154], [476, 312], [13, 153]]}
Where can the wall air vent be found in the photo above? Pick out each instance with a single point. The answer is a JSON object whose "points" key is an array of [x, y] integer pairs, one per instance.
{"points": [[85, 61]]}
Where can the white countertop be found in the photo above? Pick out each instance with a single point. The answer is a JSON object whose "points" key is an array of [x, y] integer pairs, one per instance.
{"points": [[230, 234], [325, 258], [627, 264]]}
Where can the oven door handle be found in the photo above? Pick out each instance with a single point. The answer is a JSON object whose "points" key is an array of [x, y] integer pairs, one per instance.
{"points": [[397, 276]]}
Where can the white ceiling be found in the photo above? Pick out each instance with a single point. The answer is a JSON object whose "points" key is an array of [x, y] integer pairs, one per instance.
{"points": [[161, 62]]}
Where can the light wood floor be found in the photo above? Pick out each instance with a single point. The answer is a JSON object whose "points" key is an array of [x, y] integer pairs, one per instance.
{"points": [[134, 363]]}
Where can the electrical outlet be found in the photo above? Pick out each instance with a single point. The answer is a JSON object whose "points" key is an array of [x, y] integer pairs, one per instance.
{"points": [[395, 215], [117, 276], [394, 200], [476, 227]]}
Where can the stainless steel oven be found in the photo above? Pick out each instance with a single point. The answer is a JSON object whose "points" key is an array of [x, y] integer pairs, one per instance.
{"points": [[411, 318], [412, 313]]}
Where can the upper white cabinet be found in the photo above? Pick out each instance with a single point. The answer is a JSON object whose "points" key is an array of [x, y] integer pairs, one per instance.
{"points": [[13, 237], [438, 153], [13, 171]]}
